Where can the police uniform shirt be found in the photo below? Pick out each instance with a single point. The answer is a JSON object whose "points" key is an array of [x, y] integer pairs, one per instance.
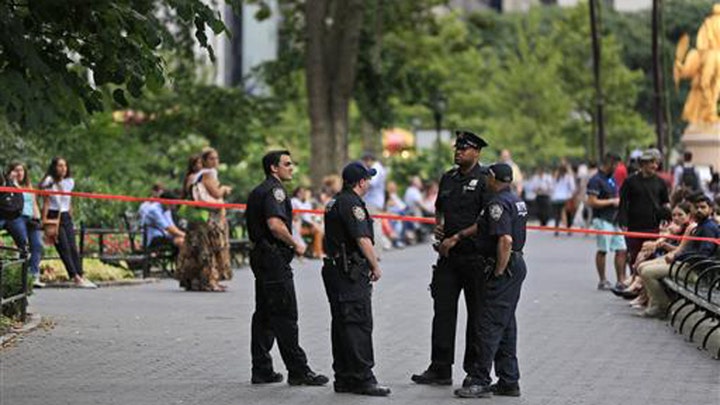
{"points": [[505, 214], [346, 220], [266, 201], [460, 199]]}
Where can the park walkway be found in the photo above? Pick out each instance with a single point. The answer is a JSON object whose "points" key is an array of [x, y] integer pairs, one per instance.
{"points": [[156, 344]]}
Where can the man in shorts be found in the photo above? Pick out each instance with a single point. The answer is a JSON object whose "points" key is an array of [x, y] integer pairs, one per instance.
{"points": [[603, 199]]}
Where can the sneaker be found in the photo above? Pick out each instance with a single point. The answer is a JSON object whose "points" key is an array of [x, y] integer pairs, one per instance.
{"points": [[474, 391], [85, 283], [38, 284], [505, 390], [432, 377], [266, 378], [309, 378], [605, 285]]}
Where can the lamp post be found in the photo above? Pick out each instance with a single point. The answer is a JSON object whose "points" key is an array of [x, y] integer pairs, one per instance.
{"points": [[439, 106]]}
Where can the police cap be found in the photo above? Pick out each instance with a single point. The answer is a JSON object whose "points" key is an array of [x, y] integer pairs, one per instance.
{"points": [[468, 139], [356, 171], [502, 172]]}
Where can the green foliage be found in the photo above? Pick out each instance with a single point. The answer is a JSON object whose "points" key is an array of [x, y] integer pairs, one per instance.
{"points": [[12, 284], [49, 50]]}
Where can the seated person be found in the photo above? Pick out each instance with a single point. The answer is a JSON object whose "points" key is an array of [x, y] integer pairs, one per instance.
{"points": [[158, 223], [706, 227]]}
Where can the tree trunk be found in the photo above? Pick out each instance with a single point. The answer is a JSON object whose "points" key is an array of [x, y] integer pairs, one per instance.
{"points": [[333, 33]]}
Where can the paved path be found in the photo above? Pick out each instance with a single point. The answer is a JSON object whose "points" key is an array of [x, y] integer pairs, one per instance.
{"points": [[155, 344]]}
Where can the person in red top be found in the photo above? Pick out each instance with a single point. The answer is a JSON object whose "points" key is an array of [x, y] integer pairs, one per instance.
{"points": [[621, 173]]}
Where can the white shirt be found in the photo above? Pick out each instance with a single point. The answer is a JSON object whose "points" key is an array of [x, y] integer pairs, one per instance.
{"points": [[375, 196], [564, 188], [59, 202], [413, 199], [298, 204]]}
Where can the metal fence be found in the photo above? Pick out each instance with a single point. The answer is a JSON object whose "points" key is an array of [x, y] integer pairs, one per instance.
{"points": [[9, 258]]}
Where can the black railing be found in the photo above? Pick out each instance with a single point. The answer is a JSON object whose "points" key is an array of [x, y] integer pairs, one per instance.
{"points": [[20, 258]]}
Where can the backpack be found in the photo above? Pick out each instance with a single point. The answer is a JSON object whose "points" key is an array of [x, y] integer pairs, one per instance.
{"points": [[689, 179], [11, 204]]}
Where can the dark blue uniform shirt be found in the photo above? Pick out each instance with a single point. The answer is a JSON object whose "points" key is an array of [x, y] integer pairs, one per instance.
{"points": [[346, 220], [505, 214], [603, 186], [460, 199], [266, 201]]}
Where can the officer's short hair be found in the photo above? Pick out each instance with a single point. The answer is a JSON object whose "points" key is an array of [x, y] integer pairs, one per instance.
{"points": [[272, 158]]}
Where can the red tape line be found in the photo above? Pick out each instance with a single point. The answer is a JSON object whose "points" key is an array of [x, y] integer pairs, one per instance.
{"points": [[425, 220]]}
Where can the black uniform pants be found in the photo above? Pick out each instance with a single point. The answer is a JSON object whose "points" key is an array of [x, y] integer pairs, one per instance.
{"points": [[275, 316], [351, 327], [496, 326], [450, 276]]}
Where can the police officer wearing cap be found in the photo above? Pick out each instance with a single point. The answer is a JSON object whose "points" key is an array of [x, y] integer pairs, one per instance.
{"points": [[501, 238], [269, 217], [347, 273], [460, 198]]}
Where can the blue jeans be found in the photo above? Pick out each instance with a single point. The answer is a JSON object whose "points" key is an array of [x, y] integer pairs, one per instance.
{"points": [[17, 230], [36, 247]]}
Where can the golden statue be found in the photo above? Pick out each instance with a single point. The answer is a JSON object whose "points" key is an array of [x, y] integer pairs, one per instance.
{"points": [[702, 66]]}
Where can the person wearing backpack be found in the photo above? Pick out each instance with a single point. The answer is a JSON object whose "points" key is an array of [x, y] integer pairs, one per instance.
{"points": [[17, 173], [686, 175], [11, 208], [57, 220]]}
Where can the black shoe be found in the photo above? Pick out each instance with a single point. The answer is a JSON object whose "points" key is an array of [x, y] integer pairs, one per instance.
{"points": [[505, 390], [341, 387], [469, 380], [474, 391], [309, 378], [432, 377], [266, 378], [372, 390]]}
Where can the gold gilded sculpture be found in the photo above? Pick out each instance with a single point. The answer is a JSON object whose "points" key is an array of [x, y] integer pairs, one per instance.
{"points": [[702, 66]]}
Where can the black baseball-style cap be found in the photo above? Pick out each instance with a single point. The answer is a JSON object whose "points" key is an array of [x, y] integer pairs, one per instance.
{"points": [[469, 139], [502, 172], [356, 171]]}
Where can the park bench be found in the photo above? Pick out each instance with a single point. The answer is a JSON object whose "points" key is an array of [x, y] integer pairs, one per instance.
{"points": [[695, 312], [239, 242], [112, 248], [12, 258]]}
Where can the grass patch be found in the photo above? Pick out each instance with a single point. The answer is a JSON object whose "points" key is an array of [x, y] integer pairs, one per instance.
{"points": [[94, 269]]}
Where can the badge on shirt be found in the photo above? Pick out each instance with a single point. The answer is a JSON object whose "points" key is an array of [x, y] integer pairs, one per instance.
{"points": [[496, 211], [279, 195], [471, 186], [359, 213]]}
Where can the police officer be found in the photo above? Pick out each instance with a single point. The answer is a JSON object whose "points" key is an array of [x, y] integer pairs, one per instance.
{"points": [[269, 216], [347, 272], [501, 238], [460, 199]]}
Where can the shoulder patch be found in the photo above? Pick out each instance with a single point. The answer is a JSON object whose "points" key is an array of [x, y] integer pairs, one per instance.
{"points": [[496, 211], [279, 194], [359, 213]]}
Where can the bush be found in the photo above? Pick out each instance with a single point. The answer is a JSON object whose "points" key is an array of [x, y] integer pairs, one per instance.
{"points": [[12, 285]]}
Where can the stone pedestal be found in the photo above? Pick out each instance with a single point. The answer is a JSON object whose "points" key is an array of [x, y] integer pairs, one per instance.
{"points": [[703, 140]]}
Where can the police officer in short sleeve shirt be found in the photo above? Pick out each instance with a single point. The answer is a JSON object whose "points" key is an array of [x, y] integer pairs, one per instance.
{"points": [[501, 239], [269, 217], [347, 273], [460, 199]]}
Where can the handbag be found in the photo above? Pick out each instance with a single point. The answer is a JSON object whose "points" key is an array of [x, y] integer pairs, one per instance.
{"points": [[51, 228]]}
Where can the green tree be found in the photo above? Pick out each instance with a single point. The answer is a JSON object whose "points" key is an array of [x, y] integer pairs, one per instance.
{"points": [[55, 56]]}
